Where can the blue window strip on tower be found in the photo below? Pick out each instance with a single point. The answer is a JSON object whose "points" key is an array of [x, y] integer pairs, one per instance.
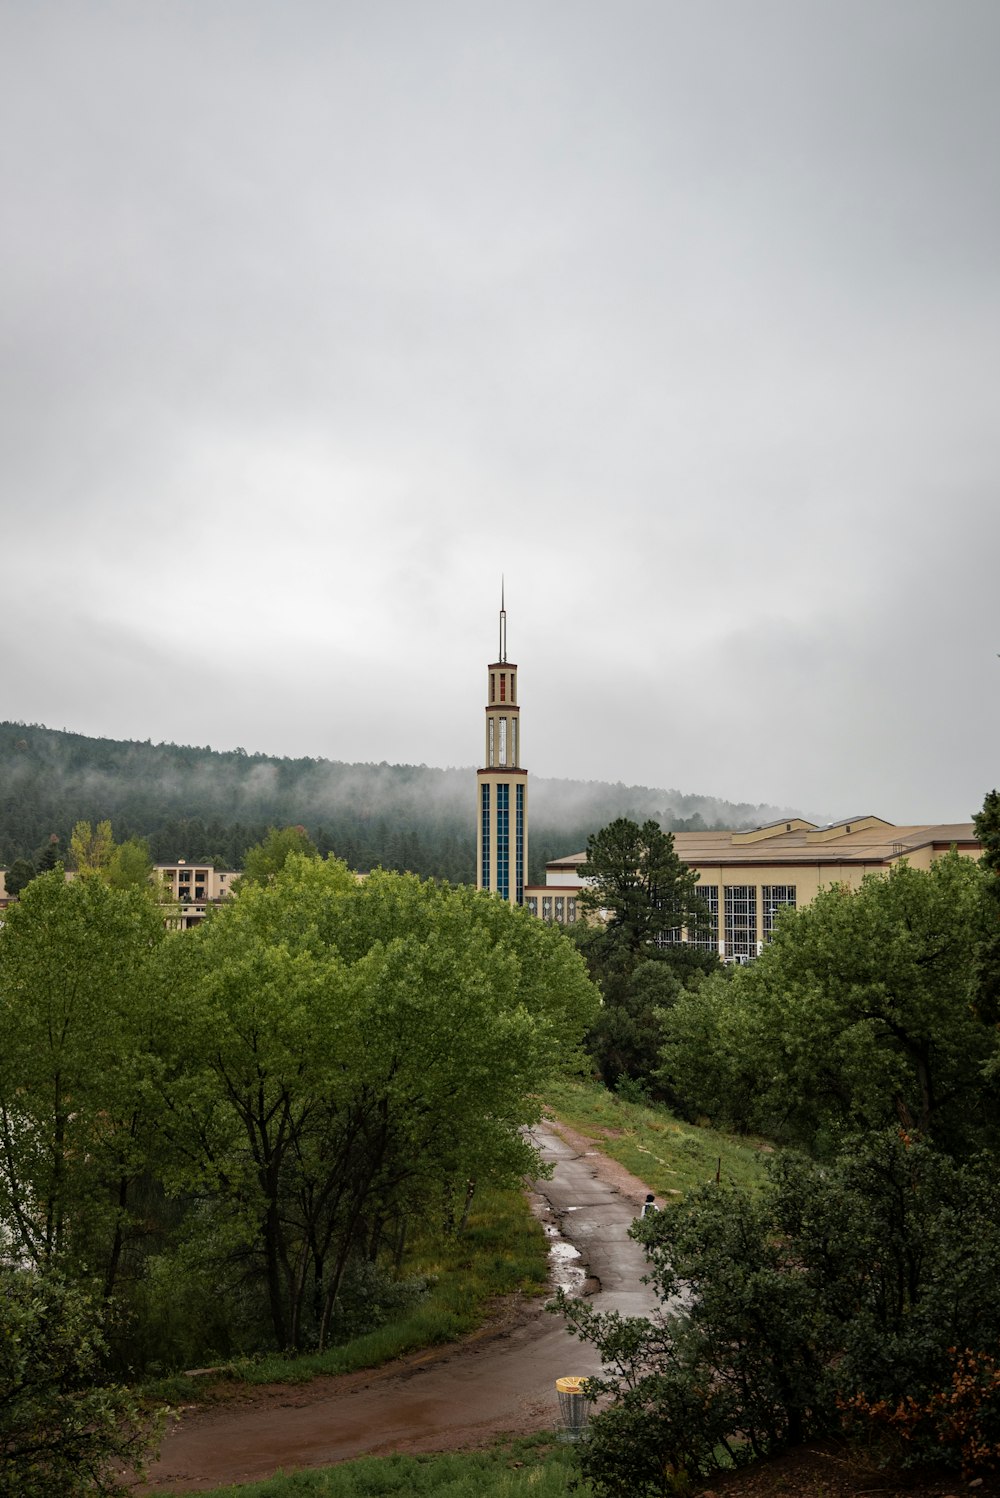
{"points": [[519, 844], [486, 837], [503, 841]]}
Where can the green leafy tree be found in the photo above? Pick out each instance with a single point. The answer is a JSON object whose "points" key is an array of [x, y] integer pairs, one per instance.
{"points": [[64, 1432], [626, 1037], [643, 896], [74, 956], [334, 1056], [860, 1012], [270, 856], [130, 865], [19, 876], [634, 874], [91, 848]]}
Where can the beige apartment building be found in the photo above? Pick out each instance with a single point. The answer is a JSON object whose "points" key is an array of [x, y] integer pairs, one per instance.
{"points": [[746, 877], [192, 889], [189, 890]]}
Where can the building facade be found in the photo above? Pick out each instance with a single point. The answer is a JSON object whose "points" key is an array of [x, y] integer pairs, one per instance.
{"points": [[746, 877], [190, 890], [502, 785]]}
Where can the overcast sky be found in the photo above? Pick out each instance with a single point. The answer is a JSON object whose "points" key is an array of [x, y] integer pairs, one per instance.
{"points": [[316, 318]]}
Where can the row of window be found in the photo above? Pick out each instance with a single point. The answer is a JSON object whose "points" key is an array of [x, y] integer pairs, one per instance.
{"points": [[485, 880], [503, 841], [739, 910], [519, 843], [502, 885], [740, 917], [558, 908]]}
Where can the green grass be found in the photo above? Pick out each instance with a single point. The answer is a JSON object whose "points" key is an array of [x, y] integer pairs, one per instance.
{"points": [[671, 1156], [537, 1466], [503, 1251]]}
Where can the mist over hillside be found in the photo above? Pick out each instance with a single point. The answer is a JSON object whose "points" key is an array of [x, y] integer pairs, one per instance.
{"points": [[198, 803]]}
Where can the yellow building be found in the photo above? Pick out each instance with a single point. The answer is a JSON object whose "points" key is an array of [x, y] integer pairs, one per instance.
{"points": [[502, 785], [189, 890], [746, 877], [192, 889]]}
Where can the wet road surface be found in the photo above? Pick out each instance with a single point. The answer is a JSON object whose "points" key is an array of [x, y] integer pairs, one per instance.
{"points": [[502, 1381]]}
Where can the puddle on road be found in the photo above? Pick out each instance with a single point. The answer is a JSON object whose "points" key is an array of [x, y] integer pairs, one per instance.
{"points": [[566, 1269]]}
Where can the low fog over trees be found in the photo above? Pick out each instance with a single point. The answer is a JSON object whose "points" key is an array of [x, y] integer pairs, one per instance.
{"points": [[211, 807]]}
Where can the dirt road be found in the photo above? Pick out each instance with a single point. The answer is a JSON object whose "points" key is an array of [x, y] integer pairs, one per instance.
{"points": [[500, 1381]]}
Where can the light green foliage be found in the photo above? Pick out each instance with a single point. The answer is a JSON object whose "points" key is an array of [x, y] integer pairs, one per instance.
{"points": [[269, 857], [62, 1432], [234, 1130], [73, 960], [861, 1011], [336, 1056], [91, 848], [122, 865]]}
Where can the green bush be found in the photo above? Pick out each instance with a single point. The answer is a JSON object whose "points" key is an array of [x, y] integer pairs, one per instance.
{"points": [[62, 1431], [834, 1285]]}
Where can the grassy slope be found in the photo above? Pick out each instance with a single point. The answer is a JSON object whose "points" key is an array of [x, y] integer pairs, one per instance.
{"points": [[536, 1466], [673, 1157]]}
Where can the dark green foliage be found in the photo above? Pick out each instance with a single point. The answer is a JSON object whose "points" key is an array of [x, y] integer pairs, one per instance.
{"points": [[18, 876], [210, 807], [861, 1012], [987, 825], [855, 1279], [634, 955], [62, 1431], [635, 875]]}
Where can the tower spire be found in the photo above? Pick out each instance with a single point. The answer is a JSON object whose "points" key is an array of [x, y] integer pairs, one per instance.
{"points": [[503, 623], [502, 816]]}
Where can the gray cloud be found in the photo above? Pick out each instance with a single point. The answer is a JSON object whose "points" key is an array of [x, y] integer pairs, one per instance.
{"points": [[315, 319]]}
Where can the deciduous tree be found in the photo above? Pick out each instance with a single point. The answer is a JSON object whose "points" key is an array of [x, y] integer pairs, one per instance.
{"points": [[861, 1011], [335, 1054], [73, 962]]}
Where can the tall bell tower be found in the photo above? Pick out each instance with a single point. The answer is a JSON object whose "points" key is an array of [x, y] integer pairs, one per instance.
{"points": [[502, 811]]}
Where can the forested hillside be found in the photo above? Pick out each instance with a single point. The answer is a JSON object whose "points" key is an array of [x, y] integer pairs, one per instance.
{"points": [[198, 803]]}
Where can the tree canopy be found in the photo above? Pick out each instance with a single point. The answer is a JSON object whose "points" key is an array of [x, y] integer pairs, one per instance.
{"points": [[228, 1119], [634, 874], [861, 1011]]}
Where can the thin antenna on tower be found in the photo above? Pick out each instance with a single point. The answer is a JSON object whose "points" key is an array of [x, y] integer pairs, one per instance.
{"points": [[503, 624]]}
